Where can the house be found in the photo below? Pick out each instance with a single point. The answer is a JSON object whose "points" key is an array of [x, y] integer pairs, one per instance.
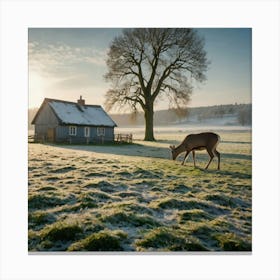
{"points": [[64, 121]]}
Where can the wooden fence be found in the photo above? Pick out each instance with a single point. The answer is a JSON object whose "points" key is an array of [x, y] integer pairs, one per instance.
{"points": [[123, 138], [119, 138]]}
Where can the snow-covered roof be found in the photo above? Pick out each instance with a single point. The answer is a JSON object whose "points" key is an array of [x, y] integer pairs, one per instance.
{"points": [[73, 113]]}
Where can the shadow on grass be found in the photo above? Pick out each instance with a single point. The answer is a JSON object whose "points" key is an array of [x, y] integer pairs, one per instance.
{"points": [[132, 149], [233, 174], [236, 174], [236, 142], [148, 149], [236, 156], [228, 173]]}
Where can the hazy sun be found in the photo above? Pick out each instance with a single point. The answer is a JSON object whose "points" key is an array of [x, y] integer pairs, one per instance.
{"points": [[37, 85]]}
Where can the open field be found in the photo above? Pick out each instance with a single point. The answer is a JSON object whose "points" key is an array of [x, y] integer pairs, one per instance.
{"points": [[134, 198]]}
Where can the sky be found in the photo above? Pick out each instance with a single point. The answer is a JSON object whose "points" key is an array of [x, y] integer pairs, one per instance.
{"points": [[65, 63]]}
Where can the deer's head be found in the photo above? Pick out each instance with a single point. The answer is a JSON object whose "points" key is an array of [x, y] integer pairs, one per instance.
{"points": [[174, 154]]}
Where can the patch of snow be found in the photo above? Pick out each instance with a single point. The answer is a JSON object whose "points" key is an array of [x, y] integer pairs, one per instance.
{"points": [[71, 113]]}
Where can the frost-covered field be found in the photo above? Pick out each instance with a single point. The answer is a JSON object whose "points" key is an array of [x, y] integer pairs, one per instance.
{"points": [[134, 198]]}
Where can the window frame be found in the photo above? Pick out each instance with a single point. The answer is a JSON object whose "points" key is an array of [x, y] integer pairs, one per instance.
{"points": [[102, 128], [72, 130], [87, 131]]}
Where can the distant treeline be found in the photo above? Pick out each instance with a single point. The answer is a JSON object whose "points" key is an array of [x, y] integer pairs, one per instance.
{"points": [[31, 114], [242, 113]]}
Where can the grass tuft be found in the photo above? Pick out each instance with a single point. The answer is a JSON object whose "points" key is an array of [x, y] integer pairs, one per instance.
{"points": [[221, 199], [62, 231], [86, 201], [40, 218], [194, 215], [47, 188], [162, 238], [122, 218], [181, 188], [232, 242], [172, 203], [101, 241], [40, 201]]}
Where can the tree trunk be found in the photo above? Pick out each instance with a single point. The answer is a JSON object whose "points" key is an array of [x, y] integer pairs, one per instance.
{"points": [[149, 121]]}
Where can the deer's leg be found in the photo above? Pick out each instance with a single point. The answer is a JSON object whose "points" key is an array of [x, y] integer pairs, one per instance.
{"points": [[193, 155], [187, 153], [218, 156], [211, 157]]}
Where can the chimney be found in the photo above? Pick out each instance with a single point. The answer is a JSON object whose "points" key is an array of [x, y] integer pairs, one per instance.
{"points": [[81, 101]]}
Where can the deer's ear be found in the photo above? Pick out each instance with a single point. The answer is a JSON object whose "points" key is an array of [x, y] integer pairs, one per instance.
{"points": [[172, 147]]}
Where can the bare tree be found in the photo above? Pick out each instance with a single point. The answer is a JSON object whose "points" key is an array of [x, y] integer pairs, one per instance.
{"points": [[146, 63]]}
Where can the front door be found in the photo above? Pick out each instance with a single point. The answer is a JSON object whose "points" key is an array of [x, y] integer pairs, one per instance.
{"points": [[51, 134]]}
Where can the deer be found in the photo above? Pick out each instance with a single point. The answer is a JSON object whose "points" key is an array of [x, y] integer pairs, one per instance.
{"points": [[202, 141]]}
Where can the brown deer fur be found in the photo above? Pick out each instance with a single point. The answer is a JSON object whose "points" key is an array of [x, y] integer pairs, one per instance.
{"points": [[203, 141]]}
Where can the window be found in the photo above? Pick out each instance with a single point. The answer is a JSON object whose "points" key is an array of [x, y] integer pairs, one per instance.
{"points": [[87, 131], [100, 131], [72, 130]]}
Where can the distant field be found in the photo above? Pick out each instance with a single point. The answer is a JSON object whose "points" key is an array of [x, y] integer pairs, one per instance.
{"points": [[134, 198]]}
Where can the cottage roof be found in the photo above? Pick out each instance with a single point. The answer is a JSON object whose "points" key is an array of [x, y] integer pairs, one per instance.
{"points": [[76, 114]]}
